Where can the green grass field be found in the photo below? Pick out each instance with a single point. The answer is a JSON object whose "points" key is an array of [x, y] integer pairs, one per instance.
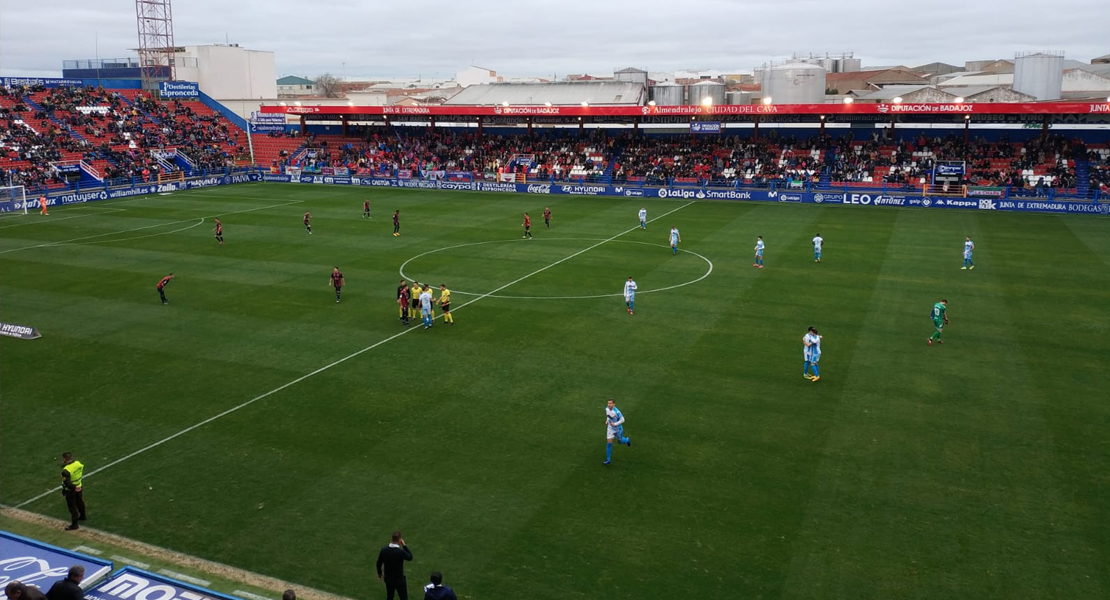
{"points": [[976, 469]]}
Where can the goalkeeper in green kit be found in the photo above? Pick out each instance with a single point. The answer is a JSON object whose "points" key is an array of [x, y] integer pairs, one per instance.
{"points": [[940, 319]]}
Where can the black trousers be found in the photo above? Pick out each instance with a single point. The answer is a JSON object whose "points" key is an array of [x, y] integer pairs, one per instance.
{"points": [[162, 293], [75, 502], [397, 586], [396, 228]]}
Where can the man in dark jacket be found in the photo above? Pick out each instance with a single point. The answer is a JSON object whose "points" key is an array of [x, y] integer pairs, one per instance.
{"points": [[392, 558], [70, 587], [436, 590], [17, 590]]}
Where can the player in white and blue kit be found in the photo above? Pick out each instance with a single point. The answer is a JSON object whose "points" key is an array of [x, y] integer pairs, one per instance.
{"points": [[426, 308], [614, 430], [630, 294], [643, 218], [675, 239], [969, 247], [758, 252], [811, 352], [817, 242]]}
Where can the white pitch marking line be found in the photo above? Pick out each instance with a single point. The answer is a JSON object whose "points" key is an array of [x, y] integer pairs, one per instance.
{"points": [[89, 237], [707, 273], [47, 222], [249, 595], [128, 561], [185, 578], [328, 366], [87, 550]]}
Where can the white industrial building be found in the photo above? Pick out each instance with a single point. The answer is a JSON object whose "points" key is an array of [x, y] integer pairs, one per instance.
{"points": [[228, 71]]}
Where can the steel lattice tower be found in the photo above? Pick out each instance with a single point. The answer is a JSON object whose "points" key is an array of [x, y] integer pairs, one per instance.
{"points": [[156, 47]]}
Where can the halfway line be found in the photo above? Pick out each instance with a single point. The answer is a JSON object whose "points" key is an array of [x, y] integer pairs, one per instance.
{"points": [[330, 365]]}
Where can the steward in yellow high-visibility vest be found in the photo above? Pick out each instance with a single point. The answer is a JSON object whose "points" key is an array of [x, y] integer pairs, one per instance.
{"points": [[72, 474]]}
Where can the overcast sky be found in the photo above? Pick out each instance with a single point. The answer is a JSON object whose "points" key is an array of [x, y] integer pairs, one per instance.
{"points": [[545, 37]]}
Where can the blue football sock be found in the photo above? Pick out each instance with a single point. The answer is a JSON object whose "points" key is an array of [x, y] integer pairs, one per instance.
{"points": [[805, 369], [632, 305], [608, 450], [816, 372], [624, 440]]}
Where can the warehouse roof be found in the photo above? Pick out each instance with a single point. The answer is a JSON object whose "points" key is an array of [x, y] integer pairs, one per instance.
{"points": [[606, 93]]}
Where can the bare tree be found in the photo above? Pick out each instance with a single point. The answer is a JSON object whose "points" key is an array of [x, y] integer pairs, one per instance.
{"points": [[328, 86]]}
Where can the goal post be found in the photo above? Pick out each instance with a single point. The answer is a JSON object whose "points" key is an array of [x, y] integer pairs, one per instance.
{"points": [[13, 200]]}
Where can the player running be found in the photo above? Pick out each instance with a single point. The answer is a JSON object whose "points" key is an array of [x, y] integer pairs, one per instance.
{"points": [[396, 223], [43, 202], [811, 352], [308, 222], [675, 239], [162, 287], [426, 307], [818, 241], [219, 229], [614, 430], [643, 218], [630, 294], [547, 217], [445, 303], [758, 252], [527, 225], [336, 281], [969, 247], [365, 209], [940, 319]]}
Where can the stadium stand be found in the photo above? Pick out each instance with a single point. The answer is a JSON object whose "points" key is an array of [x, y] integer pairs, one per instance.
{"points": [[112, 134], [128, 134]]}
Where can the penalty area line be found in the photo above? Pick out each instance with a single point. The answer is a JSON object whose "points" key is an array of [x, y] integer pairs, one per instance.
{"points": [[328, 366]]}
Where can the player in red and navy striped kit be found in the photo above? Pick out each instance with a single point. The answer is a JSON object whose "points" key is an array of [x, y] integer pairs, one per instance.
{"points": [[337, 281], [162, 287], [308, 222]]}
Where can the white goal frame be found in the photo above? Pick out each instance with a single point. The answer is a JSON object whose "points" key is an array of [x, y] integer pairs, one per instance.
{"points": [[15, 193]]}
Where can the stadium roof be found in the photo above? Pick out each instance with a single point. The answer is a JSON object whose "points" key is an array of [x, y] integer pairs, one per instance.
{"points": [[600, 93]]}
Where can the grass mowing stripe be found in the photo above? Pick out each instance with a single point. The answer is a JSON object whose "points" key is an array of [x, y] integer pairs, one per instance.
{"points": [[329, 366], [200, 220]]}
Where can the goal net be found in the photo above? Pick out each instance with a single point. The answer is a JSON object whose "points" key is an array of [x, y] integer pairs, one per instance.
{"points": [[13, 200]]}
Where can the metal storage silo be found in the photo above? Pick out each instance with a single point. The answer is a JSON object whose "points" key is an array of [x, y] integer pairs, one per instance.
{"points": [[667, 94], [712, 90], [848, 64], [738, 97], [1040, 74], [794, 83]]}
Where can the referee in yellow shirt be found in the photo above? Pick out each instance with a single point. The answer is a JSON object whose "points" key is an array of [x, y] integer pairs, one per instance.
{"points": [[445, 303]]}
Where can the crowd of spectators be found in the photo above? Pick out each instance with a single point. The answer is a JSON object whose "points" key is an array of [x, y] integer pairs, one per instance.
{"points": [[122, 135], [44, 125], [382, 150], [712, 160]]}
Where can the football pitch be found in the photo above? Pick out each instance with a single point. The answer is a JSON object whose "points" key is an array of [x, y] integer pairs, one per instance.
{"points": [[256, 422]]}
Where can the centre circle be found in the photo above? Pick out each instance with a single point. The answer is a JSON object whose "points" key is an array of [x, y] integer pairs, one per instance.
{"points": [[708, 270]]}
